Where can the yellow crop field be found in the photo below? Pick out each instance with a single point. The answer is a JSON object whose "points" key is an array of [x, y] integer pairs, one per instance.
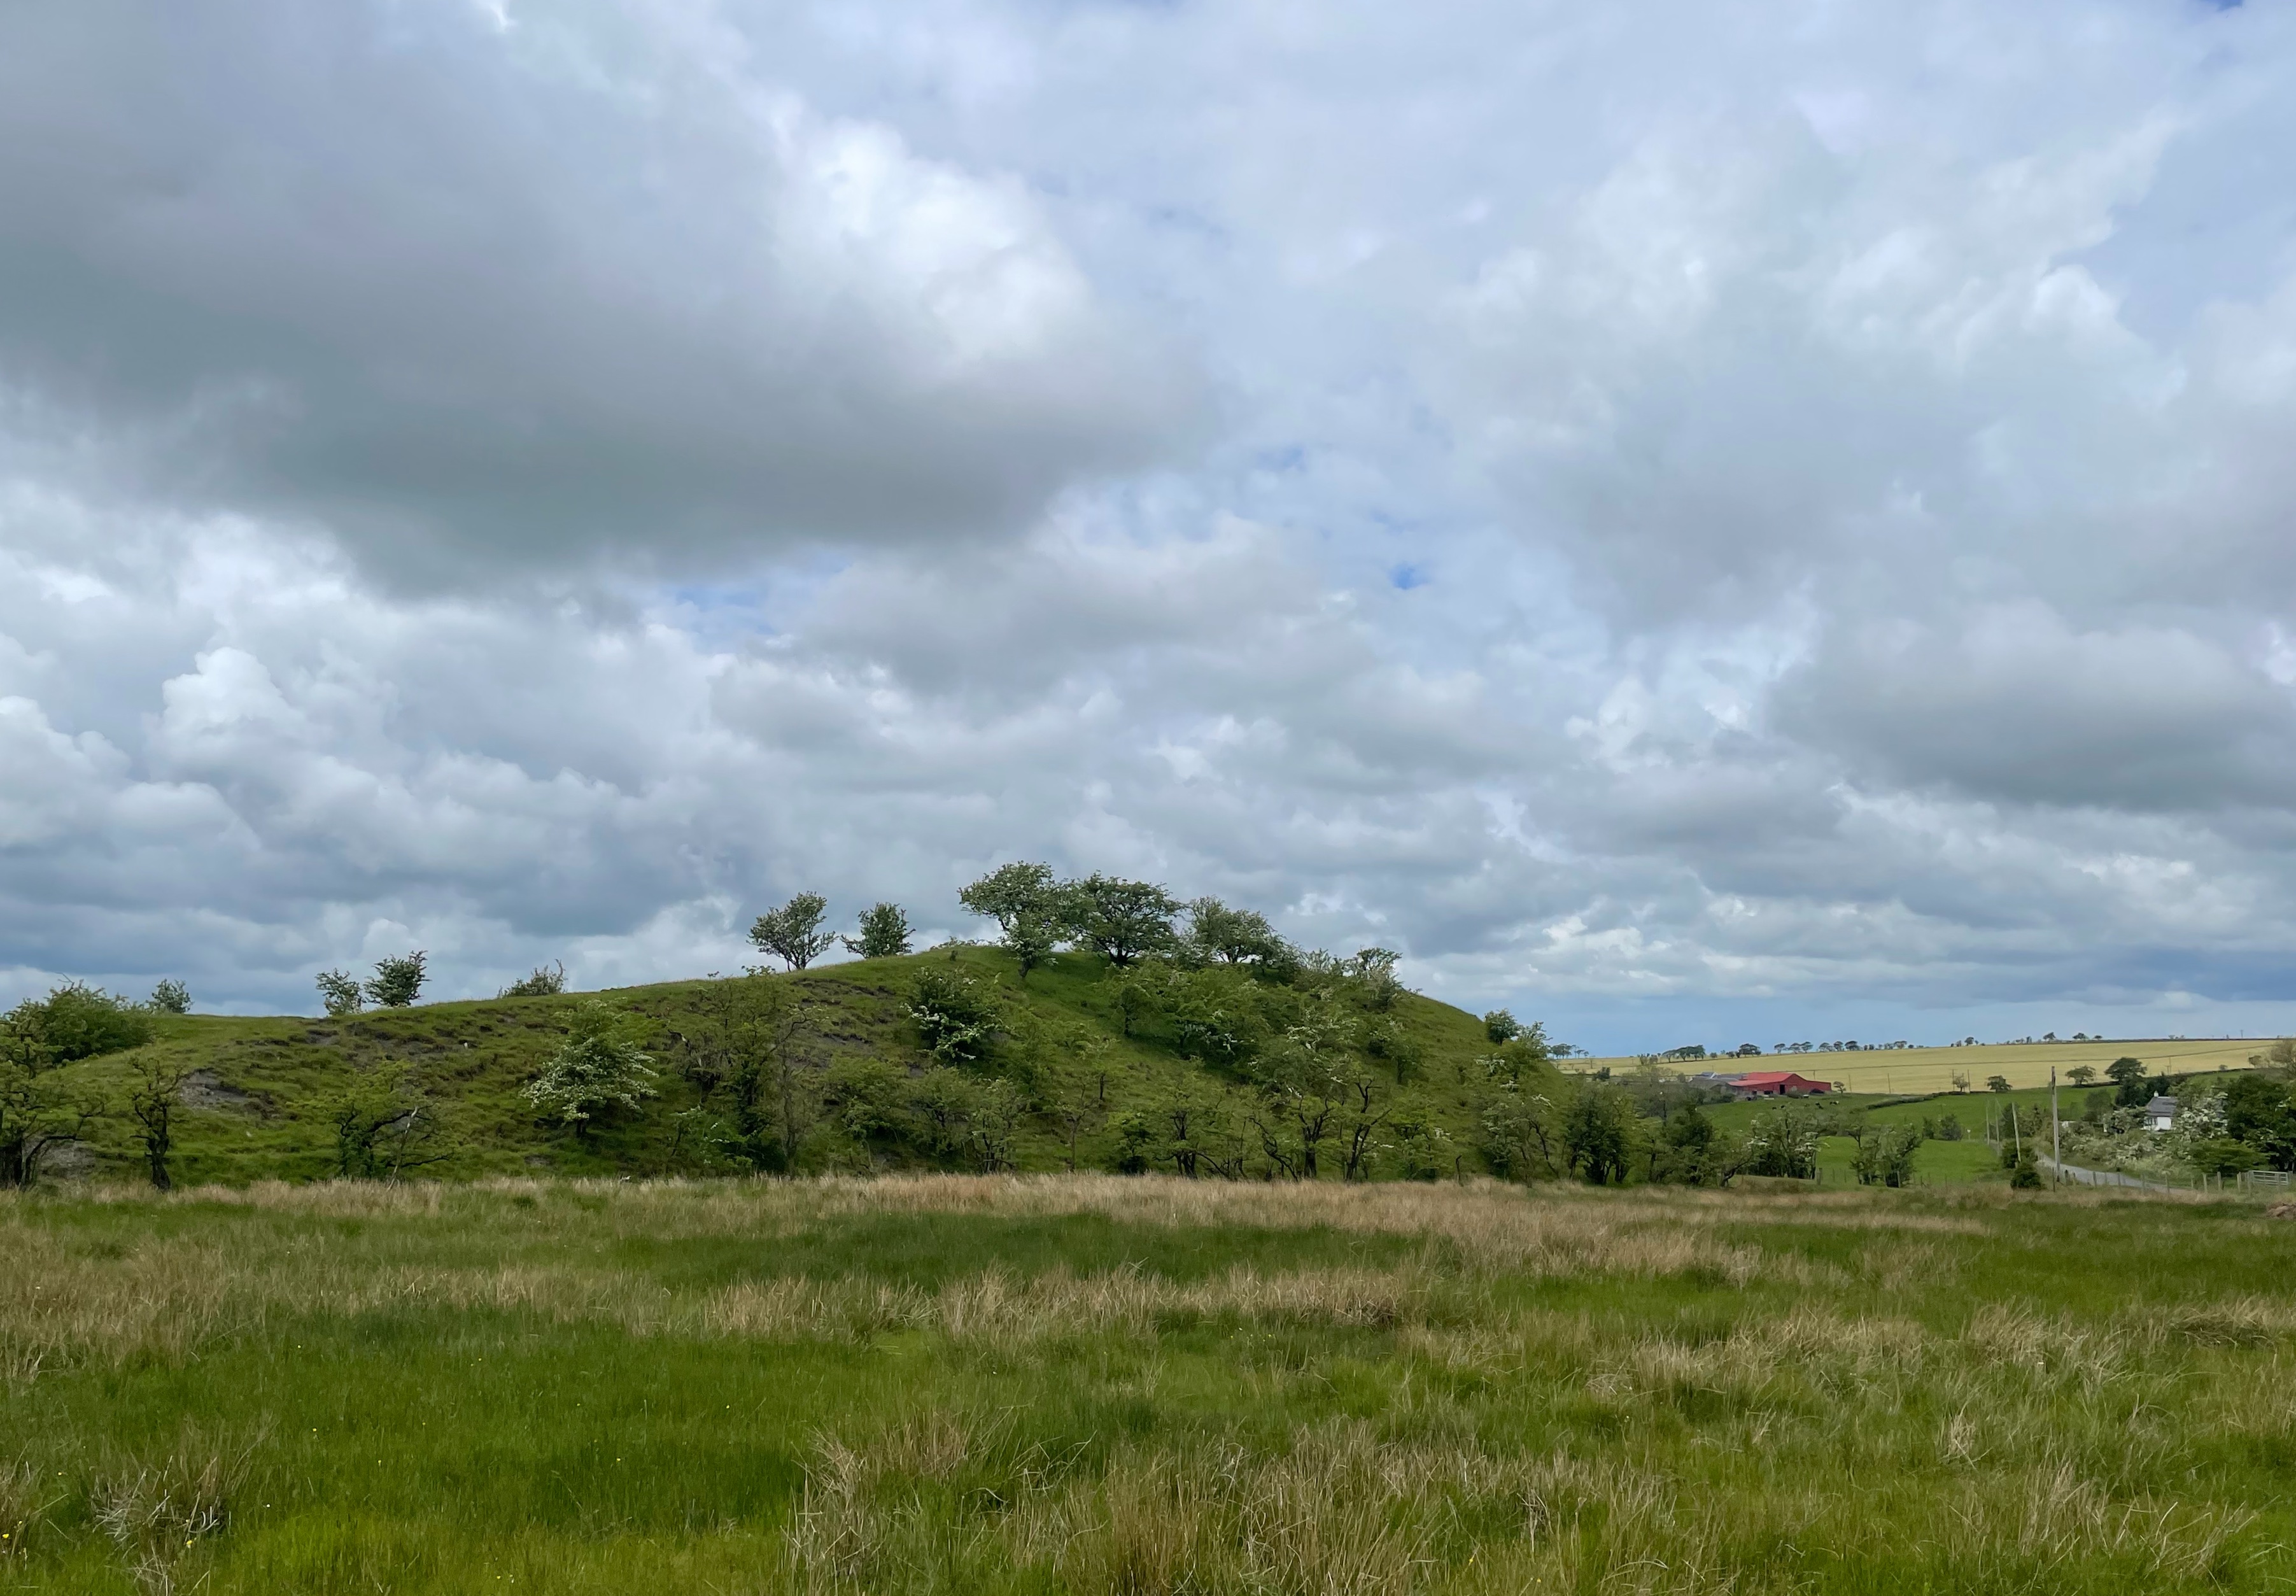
{"points": [[2023, 1064]]}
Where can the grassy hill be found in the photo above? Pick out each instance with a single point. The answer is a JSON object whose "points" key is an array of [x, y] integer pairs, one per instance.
{"points": [[260, 1099]]}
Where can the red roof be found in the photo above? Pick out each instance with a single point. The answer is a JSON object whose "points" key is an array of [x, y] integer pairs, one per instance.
{"points": [[1761, 1078]]}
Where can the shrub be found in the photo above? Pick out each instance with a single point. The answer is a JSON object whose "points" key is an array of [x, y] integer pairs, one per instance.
{"points": [[1212, 1012], [1885, 1155], [38, 1115], [1782, 1141], [885, 932], [339, 989], [1521, 1134], [864, 1097], [953, 1013], [2222, 1155], [1420, 1149], [1218, 934], [169, 996], [1694, 1152], [1599, 1134], [598, 1067], [543, 984], [1395, 1047], [1501, 1027], [1374, 973], [77, 1021], [966, 1117], [397, 981], [384, 1125]]}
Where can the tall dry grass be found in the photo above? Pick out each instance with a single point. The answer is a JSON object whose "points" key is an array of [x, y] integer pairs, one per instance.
{"points": [[1482, 1390]]}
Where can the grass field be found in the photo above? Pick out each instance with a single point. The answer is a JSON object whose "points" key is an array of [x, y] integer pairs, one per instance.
{"points": [[258, 1105], [1932, 1069], [1099, 1385]]}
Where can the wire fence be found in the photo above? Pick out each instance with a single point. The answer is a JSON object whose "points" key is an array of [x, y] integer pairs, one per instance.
{"points": [[2253, 1182]]}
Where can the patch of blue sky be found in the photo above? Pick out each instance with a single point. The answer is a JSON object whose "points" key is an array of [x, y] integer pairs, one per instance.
{"points": [[727, 613]]}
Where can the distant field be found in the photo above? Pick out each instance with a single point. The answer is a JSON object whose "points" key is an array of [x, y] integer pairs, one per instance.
{"points": [[1102, 1386], [1932, 1069]]}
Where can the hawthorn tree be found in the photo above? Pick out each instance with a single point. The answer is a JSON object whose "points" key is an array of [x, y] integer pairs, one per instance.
{"points": [[339, 992], [397, 981], [792, 932], [79, 1021], [547, 980], [1028, 906], [885, 932], [598, 1067], [1123, 921], [1599, 1132], [384, 1124], [1218, 934], [154, 1092], [36, 1114]]}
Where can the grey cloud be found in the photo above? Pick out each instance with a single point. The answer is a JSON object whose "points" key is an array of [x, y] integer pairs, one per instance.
{"points": [[1844, 531], [586, 281], [2014, 704]]}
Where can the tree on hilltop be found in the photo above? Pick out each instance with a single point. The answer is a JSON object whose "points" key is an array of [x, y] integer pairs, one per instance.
{"points": [[396, 981], [1026, 904], [1121, 920], [885, 932], [792, 932], [1219, 934]]}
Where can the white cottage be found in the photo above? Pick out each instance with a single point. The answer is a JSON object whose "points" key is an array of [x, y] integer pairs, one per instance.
{"points": [[2161, 1113]]}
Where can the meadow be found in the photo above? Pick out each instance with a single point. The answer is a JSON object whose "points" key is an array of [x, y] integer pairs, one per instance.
{"points": [[1098, 1384], [1901, 1070]]}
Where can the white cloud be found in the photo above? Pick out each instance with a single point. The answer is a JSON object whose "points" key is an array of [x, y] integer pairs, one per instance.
{"points": [[1664, 514]]}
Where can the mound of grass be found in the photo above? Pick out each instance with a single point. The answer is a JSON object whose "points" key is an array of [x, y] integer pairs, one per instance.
{"points": [[1098, 1385], [263, 1097]]}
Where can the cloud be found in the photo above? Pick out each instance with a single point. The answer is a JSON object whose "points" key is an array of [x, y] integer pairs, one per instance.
{"points": [[2017, 706], [1661, 513], [469, 291]]}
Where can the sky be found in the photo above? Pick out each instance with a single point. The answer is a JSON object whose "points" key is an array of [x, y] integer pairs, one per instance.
{"points": [[1697, 522]]}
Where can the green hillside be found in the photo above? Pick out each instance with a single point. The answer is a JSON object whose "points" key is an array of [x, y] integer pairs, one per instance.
{"points": [[1058, 1077]]}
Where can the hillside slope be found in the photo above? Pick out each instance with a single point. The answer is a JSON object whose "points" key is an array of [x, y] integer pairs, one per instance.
{"points": [[264, 1095]]}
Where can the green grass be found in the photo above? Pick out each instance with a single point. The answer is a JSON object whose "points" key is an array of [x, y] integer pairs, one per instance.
{"points": [[261, 1099], [934, 1384]]}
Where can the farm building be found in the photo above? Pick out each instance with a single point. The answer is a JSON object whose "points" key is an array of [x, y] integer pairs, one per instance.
{"points": [[1779, 1083], [2161, 1113]]}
